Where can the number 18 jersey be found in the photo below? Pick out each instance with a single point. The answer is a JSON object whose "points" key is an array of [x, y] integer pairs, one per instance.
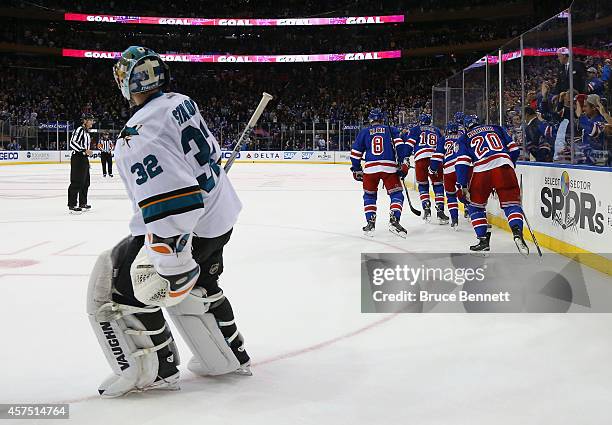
{"points": [[422, 141], [375, 144]]}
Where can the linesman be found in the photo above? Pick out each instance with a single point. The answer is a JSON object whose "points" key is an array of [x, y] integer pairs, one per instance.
{"points": [[79, 166], [106, 146]]}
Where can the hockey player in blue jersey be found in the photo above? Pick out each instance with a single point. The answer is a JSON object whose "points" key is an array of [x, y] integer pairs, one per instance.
{"points": [[446, 155], [375, 145], [459, 121], [422, 141], [493, 155]]}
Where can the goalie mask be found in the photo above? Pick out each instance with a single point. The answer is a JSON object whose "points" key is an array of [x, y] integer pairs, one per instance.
{"points": [[139, 70]]}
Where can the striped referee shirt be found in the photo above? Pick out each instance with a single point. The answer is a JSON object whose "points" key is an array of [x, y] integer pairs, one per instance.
{"points": [[80, 140], [105, 145]]}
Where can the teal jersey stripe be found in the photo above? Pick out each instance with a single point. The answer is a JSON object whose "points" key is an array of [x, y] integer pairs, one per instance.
{"points": [[169, 207]]}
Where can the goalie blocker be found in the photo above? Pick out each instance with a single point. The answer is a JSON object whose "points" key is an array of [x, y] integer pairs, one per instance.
{"points": [[136, 339]]}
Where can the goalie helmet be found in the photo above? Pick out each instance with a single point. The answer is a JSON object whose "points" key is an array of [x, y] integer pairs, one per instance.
{"points": [[139, 70]]}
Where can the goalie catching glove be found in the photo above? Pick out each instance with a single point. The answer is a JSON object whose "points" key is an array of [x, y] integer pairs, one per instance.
{"points": [[162, 286]]}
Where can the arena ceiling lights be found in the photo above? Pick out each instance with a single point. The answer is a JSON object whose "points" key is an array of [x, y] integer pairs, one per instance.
{"points": [[238, 22], [187, 57]]}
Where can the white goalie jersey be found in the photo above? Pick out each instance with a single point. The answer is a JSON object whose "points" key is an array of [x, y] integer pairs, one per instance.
{"points": [[167, 159]]}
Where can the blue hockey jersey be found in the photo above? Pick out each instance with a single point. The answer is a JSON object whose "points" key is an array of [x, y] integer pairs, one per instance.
{"points": [[422, 141], [447, 152], [485, 147], [375, 144]]}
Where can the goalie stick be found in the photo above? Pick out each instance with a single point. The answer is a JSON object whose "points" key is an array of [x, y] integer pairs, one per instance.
{"points": [[265, 98], [535, 241]]}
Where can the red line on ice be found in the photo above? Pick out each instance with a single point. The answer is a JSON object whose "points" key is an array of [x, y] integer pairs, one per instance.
{"points": [[288, 355], [24, 249]]}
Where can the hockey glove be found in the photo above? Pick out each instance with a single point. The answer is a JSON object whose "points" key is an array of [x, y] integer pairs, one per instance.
{"points": [[358, 175], [151, 288], [403, 169]]}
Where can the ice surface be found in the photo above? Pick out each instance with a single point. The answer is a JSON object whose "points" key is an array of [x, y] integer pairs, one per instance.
{"points": [[292, 273]]}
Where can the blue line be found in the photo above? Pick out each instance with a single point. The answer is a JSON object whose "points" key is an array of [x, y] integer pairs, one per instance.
{"points": [[572, 166]]}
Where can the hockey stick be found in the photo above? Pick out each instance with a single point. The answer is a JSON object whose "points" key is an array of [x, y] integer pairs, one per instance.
{"points": [[265, 98], [535, 241], [413, 209]]}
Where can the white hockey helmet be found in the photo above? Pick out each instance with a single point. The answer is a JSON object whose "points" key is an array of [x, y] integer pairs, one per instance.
{"points": [[140, 69]]}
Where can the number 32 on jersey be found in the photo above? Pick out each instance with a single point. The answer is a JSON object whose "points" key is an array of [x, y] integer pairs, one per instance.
{"points": [[149, 168]]}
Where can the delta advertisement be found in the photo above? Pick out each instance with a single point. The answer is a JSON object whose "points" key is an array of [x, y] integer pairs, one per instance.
{"points": [[314, 157], [234, 22], [573, 205], [228, 58]]}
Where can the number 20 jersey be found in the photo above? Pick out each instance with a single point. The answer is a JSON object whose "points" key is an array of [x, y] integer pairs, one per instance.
{"points": [[487, 147], [167, 159], [375, 145]]}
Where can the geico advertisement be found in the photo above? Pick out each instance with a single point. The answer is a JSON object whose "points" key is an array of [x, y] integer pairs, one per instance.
{"points": [[28, 156], [8, 156], [573, 205]]}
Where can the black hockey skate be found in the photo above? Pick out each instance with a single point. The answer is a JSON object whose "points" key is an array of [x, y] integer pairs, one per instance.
{"points": [[442, 218], [396, 227], [75, 210], [427, 211], [519, 241], [368, 229], [85, 207], [483, 245], [455, 224]]}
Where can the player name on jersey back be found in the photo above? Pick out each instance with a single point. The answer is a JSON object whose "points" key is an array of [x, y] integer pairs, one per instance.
{"points": [[486, 148]]}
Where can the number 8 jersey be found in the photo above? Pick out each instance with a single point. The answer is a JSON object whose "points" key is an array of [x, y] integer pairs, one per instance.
{"points": [[375, 144], [167, 159]]}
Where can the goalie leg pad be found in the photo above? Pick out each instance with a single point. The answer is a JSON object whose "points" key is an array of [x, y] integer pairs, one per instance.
{"points": [[199, 329], [135, 340]]}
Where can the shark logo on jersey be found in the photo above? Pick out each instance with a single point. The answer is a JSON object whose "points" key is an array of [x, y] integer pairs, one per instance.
{"points": [[127, 132]]}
